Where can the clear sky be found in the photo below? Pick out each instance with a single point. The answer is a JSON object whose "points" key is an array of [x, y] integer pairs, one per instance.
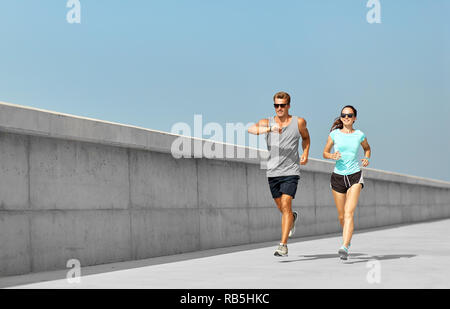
{"points": [[154, 63]]}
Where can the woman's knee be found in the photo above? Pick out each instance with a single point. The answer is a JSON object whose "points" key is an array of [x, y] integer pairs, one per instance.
{"points": [[349, 215]]}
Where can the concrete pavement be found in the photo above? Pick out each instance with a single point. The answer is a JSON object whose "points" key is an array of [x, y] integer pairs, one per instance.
{"points": [[407, 256]]}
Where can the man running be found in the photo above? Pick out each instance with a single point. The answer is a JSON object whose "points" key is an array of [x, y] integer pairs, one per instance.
{"points": [[283, 166]]}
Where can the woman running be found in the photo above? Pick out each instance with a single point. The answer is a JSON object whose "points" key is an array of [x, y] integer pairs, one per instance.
{"points": [[346, 180]]}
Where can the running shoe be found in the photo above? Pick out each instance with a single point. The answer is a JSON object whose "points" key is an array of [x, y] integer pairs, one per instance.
{"points": [[343, 253], [281, 251], [292, 231]]}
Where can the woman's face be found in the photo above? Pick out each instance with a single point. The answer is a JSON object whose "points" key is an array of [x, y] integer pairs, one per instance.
{"points": [[347, 113]]}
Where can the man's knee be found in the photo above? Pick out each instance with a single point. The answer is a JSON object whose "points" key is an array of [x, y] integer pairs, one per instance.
{"points": [[286, 206], [278, 202]]}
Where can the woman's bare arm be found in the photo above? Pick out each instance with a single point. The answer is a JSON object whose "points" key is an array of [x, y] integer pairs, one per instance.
{"points": [[367, 152], [326, 152]]}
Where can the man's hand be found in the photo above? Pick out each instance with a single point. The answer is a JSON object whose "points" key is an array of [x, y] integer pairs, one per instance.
{"points": [[304, 159], [276, 128]]}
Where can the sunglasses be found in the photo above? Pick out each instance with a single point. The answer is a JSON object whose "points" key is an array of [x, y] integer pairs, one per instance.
{"points": [[279, 105], [349, 115]]}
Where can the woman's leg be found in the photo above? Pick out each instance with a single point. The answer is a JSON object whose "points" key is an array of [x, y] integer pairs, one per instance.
{"points": [[339, 200], [349, 212]]}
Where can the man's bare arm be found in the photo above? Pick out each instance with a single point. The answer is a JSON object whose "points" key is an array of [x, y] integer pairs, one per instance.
{"points": [[262, 127], [306, 140]]}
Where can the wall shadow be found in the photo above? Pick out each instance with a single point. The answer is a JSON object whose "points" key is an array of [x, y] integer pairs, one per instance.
{"points": [[366, 259], [354, 258]]}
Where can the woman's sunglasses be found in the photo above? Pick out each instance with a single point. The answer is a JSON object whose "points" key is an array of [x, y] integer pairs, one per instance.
{"points": [[279, 105], [349, 115]]}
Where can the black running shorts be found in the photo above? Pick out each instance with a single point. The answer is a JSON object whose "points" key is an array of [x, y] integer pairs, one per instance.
{"points": [[341, 183], [283, 184]]}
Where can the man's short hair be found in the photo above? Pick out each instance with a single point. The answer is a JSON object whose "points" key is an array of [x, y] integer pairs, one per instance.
{"points": [[282, 95]]}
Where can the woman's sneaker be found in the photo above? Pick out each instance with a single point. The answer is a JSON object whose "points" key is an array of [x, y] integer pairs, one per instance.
{"points": [[292, 231], [343, 253], [281, 251]]}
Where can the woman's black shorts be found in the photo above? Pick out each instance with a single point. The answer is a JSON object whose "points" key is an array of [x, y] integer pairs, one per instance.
{"points": [[341, 183], [283, 184]]}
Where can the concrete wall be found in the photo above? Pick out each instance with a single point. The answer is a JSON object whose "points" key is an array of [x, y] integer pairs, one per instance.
{"points": [[101, 192]]}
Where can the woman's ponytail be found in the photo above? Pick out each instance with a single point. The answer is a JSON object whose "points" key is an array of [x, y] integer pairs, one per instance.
{"points": [[337, 124]]}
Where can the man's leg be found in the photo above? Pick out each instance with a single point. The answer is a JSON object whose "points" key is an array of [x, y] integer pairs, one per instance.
{"points": [[287, 218], [278, 202], [284, 204]]}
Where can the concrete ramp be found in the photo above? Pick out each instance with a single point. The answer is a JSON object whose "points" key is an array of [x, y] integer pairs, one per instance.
{"points": [[407, 256]]}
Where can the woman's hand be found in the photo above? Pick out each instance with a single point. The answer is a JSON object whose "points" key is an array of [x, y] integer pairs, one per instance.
{"points": [[336, 156], [365, 162]]}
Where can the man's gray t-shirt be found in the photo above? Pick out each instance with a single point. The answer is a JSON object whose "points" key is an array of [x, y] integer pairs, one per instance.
{"points": [[284, 159]]}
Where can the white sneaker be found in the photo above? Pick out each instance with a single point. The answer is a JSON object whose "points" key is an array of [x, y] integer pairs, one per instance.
{"points": [[292, 231], [282, 250], [343, 253]]}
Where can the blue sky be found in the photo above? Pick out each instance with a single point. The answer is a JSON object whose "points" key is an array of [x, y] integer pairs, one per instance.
{"points": [[155, 63]]}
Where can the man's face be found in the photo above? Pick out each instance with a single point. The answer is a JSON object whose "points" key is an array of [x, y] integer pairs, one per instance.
{"points": [[281, 107]]}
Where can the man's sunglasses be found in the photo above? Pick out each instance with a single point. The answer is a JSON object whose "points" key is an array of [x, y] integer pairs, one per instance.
{"points": [[349, 115], [279, 105]]}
